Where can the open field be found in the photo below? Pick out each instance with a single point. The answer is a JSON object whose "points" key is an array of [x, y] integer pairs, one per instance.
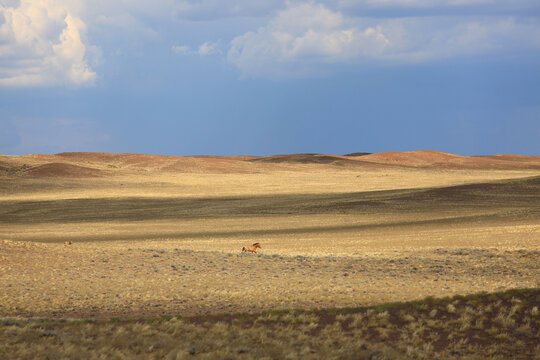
{"points": [[157, 235], [496, 326], [96, 281]]}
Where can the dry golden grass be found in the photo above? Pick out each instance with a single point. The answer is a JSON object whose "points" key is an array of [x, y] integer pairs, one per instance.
{"points": [[139, 278], [149, 176], [162, 235], [422, 329], [383, 227]]}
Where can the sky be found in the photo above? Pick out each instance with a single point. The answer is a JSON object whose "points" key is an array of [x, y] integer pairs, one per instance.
{"points": [[231, 77]]}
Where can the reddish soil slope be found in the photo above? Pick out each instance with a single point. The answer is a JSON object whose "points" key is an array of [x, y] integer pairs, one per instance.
{"points": [[510, 157], [62, 170], [210, 164], [437, 159]]}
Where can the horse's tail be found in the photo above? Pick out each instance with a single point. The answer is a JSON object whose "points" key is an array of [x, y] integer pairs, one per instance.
{"points": [[243, 249]]}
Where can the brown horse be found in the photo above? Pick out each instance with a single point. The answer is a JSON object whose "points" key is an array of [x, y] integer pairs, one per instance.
{"points": [[251, 248], [68, 242]]}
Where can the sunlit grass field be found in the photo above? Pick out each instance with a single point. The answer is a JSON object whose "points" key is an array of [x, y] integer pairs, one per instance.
{"points": [[292, 212], [154, 238]]}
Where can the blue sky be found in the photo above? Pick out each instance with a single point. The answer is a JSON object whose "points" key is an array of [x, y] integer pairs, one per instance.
{"points": [[184, 77]]}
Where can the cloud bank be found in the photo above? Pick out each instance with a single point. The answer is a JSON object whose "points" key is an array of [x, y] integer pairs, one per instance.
{"points": [[45, 42], [210, 10], [42, 44], [306, 37]]}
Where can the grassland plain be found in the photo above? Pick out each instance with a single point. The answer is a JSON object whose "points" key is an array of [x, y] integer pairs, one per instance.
{"points": [[496, 326], [155, 236]]}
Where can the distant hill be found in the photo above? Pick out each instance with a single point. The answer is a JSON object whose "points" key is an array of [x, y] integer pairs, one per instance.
{"points": [[87, 164]]}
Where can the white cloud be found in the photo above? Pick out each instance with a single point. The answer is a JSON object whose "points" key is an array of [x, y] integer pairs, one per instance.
{"points": [[205, 49], [304, 38], [181, 49], [43, 43], [301, 36]]}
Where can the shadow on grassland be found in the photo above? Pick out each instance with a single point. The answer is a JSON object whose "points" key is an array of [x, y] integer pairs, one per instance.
{"points": [[252, 233], [513, 198], [499, 325]]}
